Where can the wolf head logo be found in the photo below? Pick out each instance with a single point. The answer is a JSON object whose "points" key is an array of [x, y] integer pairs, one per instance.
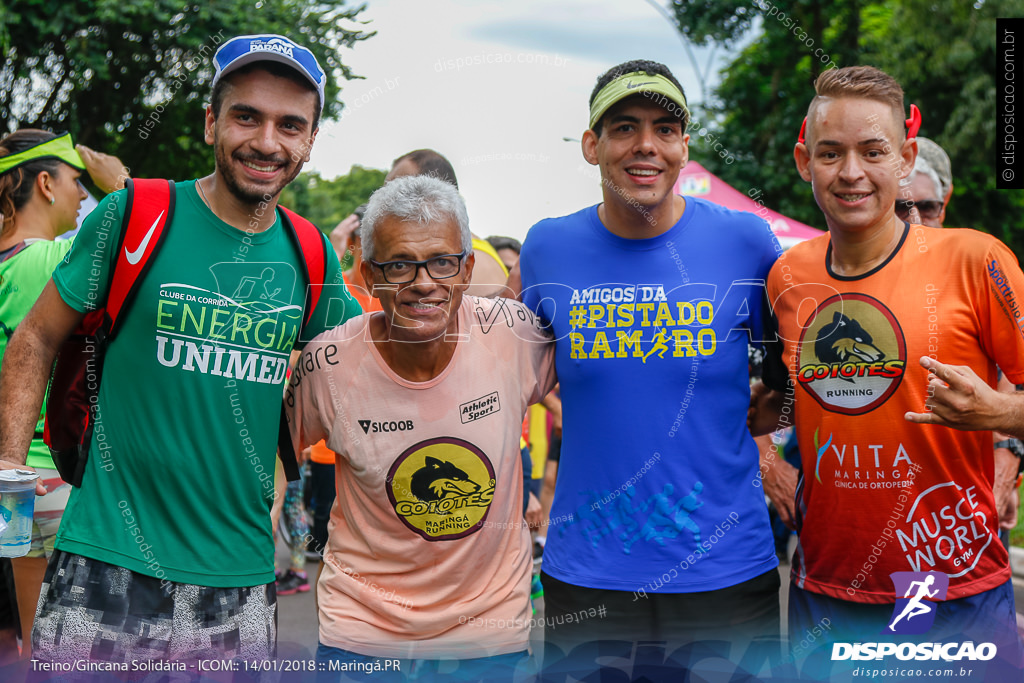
{"points": [[439, 479], [845, 340]]}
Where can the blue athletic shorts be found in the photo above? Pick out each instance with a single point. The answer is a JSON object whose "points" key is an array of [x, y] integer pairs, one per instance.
{"points": [[817, 622]]}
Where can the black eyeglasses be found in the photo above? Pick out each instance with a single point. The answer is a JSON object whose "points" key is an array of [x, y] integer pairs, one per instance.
{"points": [[439, 268], [927, 208]]}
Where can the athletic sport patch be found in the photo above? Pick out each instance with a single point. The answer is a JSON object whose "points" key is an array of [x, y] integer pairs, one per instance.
{"points": [[480, 407]]}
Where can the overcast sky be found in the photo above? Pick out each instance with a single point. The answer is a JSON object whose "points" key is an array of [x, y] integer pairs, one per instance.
{"points": [[494, 86]]}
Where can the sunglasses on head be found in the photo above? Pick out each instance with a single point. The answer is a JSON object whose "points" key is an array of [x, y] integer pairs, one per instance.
{"points": [[927, 208]]}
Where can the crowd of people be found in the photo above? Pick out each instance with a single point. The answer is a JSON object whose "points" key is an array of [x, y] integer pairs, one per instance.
{"points": [[486, 423]]}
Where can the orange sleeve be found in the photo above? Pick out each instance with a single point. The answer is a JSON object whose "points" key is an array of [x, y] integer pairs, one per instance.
{"points": [[1001, 310]]}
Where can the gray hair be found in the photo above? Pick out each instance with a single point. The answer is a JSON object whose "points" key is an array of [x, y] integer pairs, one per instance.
{"points": [[415, 199], [938, 161], [924, 168]]}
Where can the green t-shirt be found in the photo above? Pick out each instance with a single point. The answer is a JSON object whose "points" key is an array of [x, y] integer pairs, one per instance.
{"points": [[180, 478], [22, 278]]}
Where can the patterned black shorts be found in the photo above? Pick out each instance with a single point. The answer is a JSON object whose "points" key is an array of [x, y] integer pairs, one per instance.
{"points": [[91, 611]]}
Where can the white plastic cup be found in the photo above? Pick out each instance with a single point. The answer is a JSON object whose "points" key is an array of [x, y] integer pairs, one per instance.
{"points": [[17, 505]]}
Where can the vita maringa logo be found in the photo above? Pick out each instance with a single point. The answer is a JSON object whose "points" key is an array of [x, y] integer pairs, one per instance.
{"points": [[821, 451]]}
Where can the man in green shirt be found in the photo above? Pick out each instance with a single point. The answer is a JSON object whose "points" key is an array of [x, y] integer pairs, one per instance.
{"points": [[166, 551]]}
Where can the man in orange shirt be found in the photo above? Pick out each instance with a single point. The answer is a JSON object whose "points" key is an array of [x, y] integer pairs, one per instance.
{"points": [[883, 505]]}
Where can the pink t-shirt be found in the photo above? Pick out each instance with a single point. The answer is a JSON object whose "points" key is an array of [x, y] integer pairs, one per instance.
{"points": [[428, 555]]}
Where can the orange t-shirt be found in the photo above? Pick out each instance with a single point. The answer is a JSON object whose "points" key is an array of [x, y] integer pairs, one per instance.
{"points": [[366, 302], [428, 555], [879, 494]]}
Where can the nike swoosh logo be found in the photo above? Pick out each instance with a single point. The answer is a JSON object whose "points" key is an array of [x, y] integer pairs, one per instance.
{"points": [[134, 256], [631, 86]]}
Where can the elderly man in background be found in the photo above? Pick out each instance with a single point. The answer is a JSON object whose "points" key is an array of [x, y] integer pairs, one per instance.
{"points": [[930, 186]]}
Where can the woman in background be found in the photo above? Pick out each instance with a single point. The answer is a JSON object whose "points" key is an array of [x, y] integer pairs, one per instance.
{"points": [[40, 195]]}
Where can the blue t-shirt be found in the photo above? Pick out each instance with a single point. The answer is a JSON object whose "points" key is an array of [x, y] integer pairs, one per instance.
{"points": [[658, 478]]}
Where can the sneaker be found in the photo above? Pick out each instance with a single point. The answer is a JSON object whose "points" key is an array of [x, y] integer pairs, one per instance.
{"points": [[292, 582]]}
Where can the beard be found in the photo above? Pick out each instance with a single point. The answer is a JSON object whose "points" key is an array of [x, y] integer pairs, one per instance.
{"points": [[249, 192]]}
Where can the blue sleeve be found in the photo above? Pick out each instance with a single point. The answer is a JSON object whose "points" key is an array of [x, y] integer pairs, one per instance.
{"points": [[768, 251], [528, 266]]}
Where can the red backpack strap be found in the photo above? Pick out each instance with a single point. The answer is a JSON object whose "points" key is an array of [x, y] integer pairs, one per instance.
{"points": [[149, 208], [314, 258], [314, 262]]}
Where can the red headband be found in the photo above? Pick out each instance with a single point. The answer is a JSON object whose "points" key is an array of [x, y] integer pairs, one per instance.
{"points": [[913, 124]]}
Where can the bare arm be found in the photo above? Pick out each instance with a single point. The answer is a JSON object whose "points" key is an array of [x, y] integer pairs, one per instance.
{"points": [[106, 170], [958, 398], [533, 512], [779, 480], [1006, 464], [765, 409], [554, 405], [280, 489], [26, 371], [342, 234]]}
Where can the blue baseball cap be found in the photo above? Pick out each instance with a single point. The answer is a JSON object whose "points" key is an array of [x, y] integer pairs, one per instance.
{"points": [[268, 47]]}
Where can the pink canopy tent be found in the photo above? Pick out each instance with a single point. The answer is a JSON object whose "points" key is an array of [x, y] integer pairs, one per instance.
{"points": [[696, 181]]}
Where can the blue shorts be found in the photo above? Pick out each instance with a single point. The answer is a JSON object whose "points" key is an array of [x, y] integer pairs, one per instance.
{"points": [[335, 664], [817, 622]]}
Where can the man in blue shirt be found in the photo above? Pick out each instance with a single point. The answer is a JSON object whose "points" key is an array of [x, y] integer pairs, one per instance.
{"points": [[652, 314]]}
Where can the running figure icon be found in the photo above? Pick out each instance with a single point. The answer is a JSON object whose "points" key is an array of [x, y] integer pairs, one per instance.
{"points": [[916, 607]]}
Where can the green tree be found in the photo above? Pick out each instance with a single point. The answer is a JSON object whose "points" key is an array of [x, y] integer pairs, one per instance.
{"points": [[944, 56], [941, 52], [326, 202], [100, 68]]}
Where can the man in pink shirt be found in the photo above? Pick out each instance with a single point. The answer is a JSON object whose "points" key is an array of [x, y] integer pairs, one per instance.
{"points": [[428, 557]]}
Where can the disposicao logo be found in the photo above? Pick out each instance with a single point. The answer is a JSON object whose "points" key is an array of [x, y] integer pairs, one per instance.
{"points": [[917, 597]]}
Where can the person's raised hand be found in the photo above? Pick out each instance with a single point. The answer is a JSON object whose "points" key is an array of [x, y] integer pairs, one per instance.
{"points": [[342, 234], [106, 170]]}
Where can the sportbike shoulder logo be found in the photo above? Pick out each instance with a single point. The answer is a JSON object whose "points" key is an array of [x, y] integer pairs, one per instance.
{"points": [[917, 598], [442, 488], [852, 354]]}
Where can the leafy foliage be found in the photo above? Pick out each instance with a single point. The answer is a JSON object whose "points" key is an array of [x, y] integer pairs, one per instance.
{"points": [[327, 202], [100, 68], [941, 52]]}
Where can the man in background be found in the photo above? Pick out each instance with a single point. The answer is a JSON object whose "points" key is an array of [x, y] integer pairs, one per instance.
{"points": [[489, 274], [929, 187]]}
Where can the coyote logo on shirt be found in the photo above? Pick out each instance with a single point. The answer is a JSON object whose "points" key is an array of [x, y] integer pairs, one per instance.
{"points": [[438, 479], [845, 340], [852, 354], [441, 488]]}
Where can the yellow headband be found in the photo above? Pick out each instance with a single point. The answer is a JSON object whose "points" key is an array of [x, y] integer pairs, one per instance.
{"points": [[57, 148], [656, 88]]}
